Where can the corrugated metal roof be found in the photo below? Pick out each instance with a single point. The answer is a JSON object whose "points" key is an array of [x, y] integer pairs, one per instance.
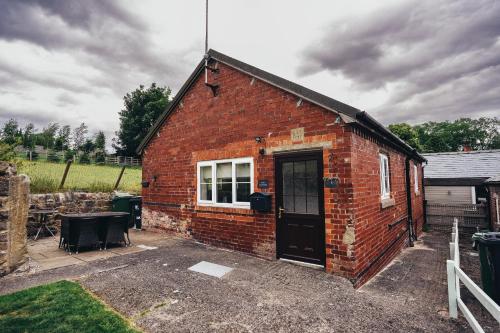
{"points": [[473, 164]]}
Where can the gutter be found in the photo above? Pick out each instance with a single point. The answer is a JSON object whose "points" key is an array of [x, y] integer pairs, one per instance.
{"points": [[368, 121]]}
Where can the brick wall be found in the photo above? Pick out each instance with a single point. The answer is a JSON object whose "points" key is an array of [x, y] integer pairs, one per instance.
{"points": [[204, 127], [380, 232]]}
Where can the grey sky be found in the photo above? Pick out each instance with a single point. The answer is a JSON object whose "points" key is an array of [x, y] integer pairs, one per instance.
{"points": [[71, 61]]}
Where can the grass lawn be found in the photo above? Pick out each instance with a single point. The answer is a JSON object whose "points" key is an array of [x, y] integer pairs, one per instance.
{"points": [[58, 307], [45, 177]]}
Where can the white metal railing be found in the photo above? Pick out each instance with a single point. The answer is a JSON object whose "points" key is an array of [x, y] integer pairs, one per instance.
{"points": [[455, 276]]}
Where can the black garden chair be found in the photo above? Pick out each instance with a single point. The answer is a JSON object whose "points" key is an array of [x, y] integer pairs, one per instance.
{"points": [[64, 234], [86, 234], [116, 228]]}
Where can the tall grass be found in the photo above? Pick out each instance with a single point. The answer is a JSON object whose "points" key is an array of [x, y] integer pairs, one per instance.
{"points": [[45, 177]]}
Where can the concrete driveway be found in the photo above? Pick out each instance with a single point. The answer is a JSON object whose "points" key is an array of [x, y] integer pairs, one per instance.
{"points": [[157, 291]]}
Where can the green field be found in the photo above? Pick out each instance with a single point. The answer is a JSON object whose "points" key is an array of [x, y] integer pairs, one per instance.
{"points": [[45, 177], [58, 307]]}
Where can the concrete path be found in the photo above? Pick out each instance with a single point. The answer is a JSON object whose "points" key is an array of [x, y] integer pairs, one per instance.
{"points": [[156, 289], [45, 253]]}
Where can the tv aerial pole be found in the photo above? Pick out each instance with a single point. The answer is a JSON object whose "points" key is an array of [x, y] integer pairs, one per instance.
{"points": [[213, 87]]}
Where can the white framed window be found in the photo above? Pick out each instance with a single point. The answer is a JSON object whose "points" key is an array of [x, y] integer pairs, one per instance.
{"points": [[415, 177], [385, 184], [225, 183]]}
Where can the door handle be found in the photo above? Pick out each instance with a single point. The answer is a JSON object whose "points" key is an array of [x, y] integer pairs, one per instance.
{"points": [[280, 211]]}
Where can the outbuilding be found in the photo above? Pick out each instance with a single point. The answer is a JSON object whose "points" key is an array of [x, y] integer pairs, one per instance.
{"points": [[246, 160]]}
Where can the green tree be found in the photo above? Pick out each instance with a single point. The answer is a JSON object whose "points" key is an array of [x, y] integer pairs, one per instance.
{"points": [[63, 139], [10, 132], [142, 107], [29, 136], [432, 137], [48, 135], [406, 133], [88, 146], [79, 136], [84, 159], [100, 141]]}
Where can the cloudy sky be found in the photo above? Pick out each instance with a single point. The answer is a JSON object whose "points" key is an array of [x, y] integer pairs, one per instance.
{"points": [[71, 61]]}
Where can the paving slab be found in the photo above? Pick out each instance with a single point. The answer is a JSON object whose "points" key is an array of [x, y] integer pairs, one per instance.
{"points": [[51, 263]]}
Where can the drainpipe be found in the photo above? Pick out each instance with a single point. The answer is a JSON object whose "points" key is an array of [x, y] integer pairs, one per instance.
{"points": [[497, 209], [411, 233], [423, 193]]}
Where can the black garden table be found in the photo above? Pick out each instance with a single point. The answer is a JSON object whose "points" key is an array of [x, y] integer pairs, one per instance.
{"points": [[93, 229]]}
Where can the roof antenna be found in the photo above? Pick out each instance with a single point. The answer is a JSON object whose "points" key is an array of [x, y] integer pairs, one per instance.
{"points": [[206, 41], [211, 86]]}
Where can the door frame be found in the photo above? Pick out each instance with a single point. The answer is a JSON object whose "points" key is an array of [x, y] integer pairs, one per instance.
{"points": [[291, 156]]}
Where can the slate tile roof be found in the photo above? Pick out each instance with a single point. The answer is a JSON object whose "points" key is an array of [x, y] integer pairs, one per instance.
{"points": [[474, 164]]}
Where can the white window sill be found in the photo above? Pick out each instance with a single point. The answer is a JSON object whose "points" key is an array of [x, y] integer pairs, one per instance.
{"points": [[387, 202], [222, 205]]}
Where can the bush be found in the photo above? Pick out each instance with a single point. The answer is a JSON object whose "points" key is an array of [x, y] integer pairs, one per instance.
{"points": [[84, 159], [52, 156], [100, 158], [7, 152], [68, 155]]}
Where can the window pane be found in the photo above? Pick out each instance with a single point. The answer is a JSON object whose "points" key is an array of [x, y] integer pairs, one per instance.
{"points": [[312, 169], [299, 169], [300, 186], [300, 204], [224, 183], [206, 192], [312, 205], [224, 172], [225, 193], [387, 185], [206, 174], [288, 178], [243, 172], [288, 203], [242, 192]]}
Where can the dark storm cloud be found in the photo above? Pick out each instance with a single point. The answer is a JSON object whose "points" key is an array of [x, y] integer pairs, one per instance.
{"points": [[39, 118], [16, 75], [440, 59], [99, 33]]}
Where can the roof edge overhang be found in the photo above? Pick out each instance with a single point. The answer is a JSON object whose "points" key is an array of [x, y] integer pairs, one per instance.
{"points": [[348, 114], [462, 181]]}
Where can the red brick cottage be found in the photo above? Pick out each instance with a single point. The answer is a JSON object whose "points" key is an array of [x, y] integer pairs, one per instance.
{"points": [[345, 192]]}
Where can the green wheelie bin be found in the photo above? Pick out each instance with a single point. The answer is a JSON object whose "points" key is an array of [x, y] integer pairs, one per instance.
{"points": [[488, 244], [131, 204]]}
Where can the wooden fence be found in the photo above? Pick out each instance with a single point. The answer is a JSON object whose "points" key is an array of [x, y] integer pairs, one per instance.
{"points": [[469, 216], [455, 276], [123, 160]]}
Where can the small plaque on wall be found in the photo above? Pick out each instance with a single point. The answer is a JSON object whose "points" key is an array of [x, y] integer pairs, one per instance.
{"points": [[331, 182], [297, 134], [263, 183]]}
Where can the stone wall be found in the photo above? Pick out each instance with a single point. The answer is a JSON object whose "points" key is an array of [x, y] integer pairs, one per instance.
{"points": [[68, 202], [14, 197]]}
